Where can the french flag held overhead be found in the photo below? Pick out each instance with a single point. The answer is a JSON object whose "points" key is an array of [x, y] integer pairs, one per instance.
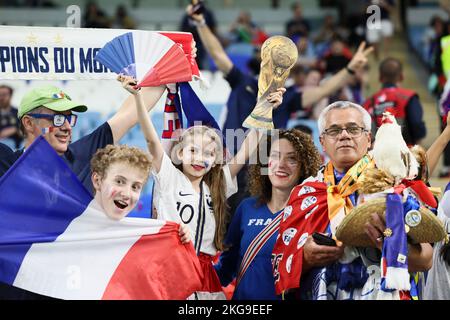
{"points": [[56, 242]]}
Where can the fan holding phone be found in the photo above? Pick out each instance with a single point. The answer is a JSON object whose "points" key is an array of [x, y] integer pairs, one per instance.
{"points": [[310, 261]]}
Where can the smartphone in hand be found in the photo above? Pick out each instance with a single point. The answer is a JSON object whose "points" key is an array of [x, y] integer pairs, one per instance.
{"points": [[323, 240]]}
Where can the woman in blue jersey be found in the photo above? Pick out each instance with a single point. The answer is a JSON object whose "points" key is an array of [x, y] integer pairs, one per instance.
{"points": [[292, 158]]}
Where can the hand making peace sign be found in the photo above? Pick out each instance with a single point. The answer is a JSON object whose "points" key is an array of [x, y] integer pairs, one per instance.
{"points": [[359, 60]]}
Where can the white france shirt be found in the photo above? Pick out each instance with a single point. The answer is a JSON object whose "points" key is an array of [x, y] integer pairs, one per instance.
{"points": [[175, 199]]}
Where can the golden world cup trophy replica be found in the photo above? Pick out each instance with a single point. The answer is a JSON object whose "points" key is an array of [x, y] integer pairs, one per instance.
{"points": [[278, 55]]}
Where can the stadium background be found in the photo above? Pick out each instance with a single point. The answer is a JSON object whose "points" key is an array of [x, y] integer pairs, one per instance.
{"points": [[411, 19]]}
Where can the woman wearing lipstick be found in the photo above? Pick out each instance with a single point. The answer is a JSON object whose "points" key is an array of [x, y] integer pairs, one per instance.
{"points": [[192, 185], [292, 158], [119, 173]]}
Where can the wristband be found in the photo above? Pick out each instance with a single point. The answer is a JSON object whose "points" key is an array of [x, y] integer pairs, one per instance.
{"points": [[352, 72]]}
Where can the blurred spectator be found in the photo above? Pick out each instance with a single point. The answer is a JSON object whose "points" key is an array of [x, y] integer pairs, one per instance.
{"points": [[432, 35], [245, 30], [9, 123], [294, 84], [242, 28], [445, 51], [353, 17], [95, 17], [404, 104], [189, 25], [375, 35], [306, 53], [122, 20], [313, 80], [329, 30], [444, 106], [297, 75], [297, 26], [440, 58], [336, 58]]}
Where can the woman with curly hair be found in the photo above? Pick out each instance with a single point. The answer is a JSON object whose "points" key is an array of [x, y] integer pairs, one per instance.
{"points": [[292, 158]]}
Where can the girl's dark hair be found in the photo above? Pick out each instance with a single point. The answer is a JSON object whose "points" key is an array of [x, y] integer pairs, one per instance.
{"points": [[307, 156]]}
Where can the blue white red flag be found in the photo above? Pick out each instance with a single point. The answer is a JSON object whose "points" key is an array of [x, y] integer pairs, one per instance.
{"points": [[56, 242]]}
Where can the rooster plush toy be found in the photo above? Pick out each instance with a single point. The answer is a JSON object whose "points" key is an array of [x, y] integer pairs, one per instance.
{"points": [[390, 152]]}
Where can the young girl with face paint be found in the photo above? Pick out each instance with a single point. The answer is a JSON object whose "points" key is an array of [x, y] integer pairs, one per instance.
{"points": [[119, 173], [291, 159], [192, 185]]}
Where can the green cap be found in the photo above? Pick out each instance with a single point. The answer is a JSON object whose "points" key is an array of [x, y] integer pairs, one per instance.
{"points": [[50, 97]]}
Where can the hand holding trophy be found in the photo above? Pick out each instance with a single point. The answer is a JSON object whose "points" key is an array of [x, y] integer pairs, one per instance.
{"points": [[278, 55]]}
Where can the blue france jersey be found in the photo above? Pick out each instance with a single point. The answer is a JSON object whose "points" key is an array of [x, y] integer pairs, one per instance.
{"points": [[247, 223]]}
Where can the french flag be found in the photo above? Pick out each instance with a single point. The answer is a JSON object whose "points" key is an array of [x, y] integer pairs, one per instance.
{"points": [[444, 205], [56, 242]]}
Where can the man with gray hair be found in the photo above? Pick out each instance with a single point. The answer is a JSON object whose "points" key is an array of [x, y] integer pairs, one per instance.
{"points": [[323, 269]]}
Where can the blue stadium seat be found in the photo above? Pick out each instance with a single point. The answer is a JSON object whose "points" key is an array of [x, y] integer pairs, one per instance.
{"points": [[245, 49]]}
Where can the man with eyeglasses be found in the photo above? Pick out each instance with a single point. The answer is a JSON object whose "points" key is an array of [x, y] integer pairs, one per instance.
{"points": [[339, 272], [49, 111]]}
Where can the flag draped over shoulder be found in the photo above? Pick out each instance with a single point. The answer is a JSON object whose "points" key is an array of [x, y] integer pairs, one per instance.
{"points": [[305, 213], [56, 242]]}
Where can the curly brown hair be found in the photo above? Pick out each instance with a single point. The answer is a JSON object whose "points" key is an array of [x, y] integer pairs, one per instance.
{"points": [[105, 157], [307, 156]]}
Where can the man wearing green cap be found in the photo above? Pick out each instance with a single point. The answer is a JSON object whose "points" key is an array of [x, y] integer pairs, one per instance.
{"points": [[49, 111]]}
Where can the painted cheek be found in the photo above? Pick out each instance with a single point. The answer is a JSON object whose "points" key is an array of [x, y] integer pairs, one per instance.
{"points": [[112, 192], [135, 199]]}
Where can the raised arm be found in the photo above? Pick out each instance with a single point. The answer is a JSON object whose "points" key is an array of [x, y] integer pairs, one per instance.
{"points": [[340, 79], [153, 143], [126, 117], [251, 141], [211, 43], [438, 146]]}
